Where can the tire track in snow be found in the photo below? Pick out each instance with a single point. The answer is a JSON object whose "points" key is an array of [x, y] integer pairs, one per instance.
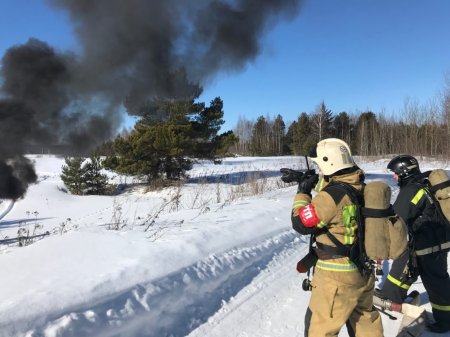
{"points": [[176, 304], [264, 308]]}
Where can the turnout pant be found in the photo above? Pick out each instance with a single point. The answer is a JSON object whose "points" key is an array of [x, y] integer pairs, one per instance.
{"points": [[340, 298]]}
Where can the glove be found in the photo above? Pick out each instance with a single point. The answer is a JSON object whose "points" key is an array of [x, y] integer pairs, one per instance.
{"points": [[307, 184], [290, 176]]}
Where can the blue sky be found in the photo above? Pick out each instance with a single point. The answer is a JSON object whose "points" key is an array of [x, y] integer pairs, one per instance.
{"points": [[354, 54]]}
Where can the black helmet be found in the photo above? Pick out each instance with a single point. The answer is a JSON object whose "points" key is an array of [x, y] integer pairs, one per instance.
{"points": [[404, 166]]}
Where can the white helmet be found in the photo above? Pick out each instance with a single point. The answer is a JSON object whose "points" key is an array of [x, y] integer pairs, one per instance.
{"points": [[332, 155]]}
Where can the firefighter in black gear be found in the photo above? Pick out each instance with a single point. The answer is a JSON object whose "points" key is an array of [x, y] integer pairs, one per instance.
{"points": [[427, 233]]}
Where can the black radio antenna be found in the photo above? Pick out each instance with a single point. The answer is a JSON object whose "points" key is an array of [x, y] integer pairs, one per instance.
{"points": [[307, 164]]}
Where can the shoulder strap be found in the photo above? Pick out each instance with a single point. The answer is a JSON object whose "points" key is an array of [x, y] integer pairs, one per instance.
{"points": [[434, 188], [377, 213], [356, 252], [431, 189], [355, 196], [337, 190]]}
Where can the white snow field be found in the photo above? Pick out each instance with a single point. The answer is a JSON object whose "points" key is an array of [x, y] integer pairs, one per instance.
{"points": [[214, 257]]}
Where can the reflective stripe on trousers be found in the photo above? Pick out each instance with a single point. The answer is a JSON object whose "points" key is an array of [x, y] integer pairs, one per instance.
{"points": [[334, 266]]}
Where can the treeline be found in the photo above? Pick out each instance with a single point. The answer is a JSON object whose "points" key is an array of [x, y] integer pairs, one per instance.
{"points": [[417, 130], [171, 135]]}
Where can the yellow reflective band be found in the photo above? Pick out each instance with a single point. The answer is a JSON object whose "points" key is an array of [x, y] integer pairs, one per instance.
{"points": [[440, 307], [300, 203], [398, 283], [418, 196], [321, 224], [349, 219], [333, 266], [319, 185], [298, 206]]}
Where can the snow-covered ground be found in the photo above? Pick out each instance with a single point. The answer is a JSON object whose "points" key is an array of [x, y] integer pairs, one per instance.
{"points": [[215, 257]]}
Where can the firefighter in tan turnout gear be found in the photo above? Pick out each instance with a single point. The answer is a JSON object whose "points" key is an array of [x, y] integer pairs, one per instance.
{"points": [[340, 293]]}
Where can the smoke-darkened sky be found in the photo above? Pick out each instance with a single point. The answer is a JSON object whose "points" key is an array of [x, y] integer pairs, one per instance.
{"points": [[127, 54], [128, 51], [355, 55]]}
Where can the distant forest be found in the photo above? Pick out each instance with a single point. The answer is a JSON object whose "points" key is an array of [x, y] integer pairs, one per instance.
{"points": [[172, 134], [416, 130]]}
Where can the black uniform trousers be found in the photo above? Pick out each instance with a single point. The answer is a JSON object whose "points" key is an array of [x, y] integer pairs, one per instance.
{"points": [[396, 285], [436, 280]]}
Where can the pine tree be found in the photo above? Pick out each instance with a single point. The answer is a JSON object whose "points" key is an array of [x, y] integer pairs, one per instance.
{"points": [[84, 178], [96, 182], [205, 126], [289, 139], [226, 141], [343, 127], [322, 122], [303, 140], [278, 131], [367, 129], [73, 175], [260, 135], [166, 148]]}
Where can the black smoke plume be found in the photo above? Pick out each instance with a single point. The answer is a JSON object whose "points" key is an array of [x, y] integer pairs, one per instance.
{"points": [[15, 176], [131, 53]]}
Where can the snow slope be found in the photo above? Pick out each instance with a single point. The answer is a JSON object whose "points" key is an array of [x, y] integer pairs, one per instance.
{"points": [[215, 257]]}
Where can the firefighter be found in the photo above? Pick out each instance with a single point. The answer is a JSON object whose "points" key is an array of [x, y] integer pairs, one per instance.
{"points": [[426, 258], [340, 294]]}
